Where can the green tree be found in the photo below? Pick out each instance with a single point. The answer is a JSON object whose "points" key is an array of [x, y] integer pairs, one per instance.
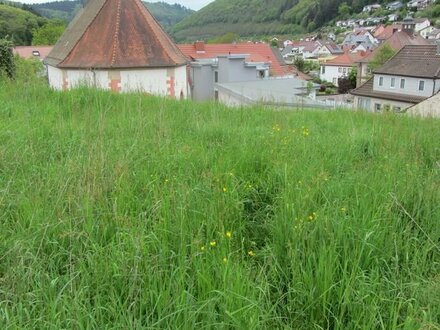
{"points": [[352, 77], [7, 65], [227, 38], [384, 53], [299, 63], [49, 33], [344, 10]]}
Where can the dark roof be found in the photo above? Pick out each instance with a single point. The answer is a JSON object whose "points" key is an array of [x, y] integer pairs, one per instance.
{"points": [[115, 34], [334, 48], [366, 89], [413, 61], [397, 41], [276, 52]]}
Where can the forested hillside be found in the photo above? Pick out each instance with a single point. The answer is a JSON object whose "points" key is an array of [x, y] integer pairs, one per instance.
{"points": [[18, 24], [250, 17], [165, 13]]}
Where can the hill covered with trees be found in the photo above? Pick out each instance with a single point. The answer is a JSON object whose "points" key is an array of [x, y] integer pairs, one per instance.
{"points": [[168, 15], [17, 23], [22, 25], [256, 17]]}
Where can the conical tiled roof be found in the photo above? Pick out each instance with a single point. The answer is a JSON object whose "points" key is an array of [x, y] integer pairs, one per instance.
{"points": [[115, 34]]}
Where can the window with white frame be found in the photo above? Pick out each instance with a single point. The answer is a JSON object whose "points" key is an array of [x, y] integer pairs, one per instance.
{"points": [[323, 69], [393, 82], [340, 70], [380, 81], [402, 83], [377, 107], [421, 85]]}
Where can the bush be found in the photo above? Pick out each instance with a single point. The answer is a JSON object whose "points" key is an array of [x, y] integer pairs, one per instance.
{"points": [[7, 65]]}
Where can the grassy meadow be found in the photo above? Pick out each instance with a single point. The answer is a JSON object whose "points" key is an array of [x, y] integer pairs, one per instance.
{"points": [[136, 212]]}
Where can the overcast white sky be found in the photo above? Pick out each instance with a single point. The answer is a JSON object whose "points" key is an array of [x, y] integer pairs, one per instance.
{"points": [[193, 4]]}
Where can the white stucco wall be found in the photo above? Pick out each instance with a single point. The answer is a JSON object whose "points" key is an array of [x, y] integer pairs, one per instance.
{"points": [[332, 72], [369, 104], [55, 76], [154, 81], [411, 85], [230, 99], [427, 109]]}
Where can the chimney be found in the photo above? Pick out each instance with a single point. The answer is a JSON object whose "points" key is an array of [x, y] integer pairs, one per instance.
{"points": [[199, 46]]}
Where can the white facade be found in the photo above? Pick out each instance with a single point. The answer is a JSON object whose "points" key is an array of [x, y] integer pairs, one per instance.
{"points": [[426, 31], [423, 87], [420, 25], [158, 81], [331, 73], [379, 105]]}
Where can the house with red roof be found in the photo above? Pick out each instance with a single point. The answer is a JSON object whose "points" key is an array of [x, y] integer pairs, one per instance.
{"points": [[339, 67], [396, 41]]}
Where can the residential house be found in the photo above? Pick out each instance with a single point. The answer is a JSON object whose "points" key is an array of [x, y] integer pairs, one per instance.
{"points": [[304, 49], [256, 52], [341, 23], [434, 35], [371, 8], [408, 78], [398, 40], [393, 17], [329, 50], [395, 5], [419, 4], [331, 36], [421, 23], [118, 46], [383, 33], [339, 67], [424, 33], [359, 41]]}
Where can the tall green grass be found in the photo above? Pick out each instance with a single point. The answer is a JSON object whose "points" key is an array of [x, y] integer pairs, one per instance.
{"points": [[130, 211]]}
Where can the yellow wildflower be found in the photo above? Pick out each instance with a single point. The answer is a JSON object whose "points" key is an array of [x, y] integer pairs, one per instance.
{"points": [[229, 234], [225, 260], [225, 189], [343, 209], [213, 243], [251, 253], [202, 248]]}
